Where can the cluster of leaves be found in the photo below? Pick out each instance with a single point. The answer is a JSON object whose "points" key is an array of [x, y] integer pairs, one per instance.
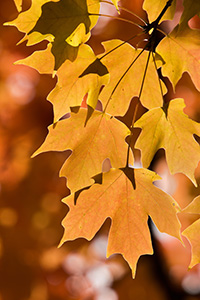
{"points": [[123, 193]]}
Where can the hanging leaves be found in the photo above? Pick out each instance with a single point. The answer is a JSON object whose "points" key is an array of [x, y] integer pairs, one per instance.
{"points": [[128, 208], [125, 195], [83, 80], [65, 23]]}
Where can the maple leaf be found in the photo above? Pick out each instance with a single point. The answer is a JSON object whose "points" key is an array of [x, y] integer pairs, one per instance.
{"points": [[128, 208], [65, 23], [154, 7], [180, 51], [89, 145], [191, 8], [83, 79], [70, 93], [192, 232], [173, 131], [124, 86]]}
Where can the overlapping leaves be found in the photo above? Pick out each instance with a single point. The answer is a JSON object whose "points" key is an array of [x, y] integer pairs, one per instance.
{"points": [[125, 195], [69, 93], [88, 145], [65, 23], [154, 8], [118, 93]]}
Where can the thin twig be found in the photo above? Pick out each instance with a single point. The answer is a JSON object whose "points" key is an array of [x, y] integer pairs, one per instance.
{"points": [[137, 106], [134, 36], [117, 18], [124, 74], [127, 10]]}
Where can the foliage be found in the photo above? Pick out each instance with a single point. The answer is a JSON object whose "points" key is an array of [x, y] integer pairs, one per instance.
{"points": [[123, 193]]}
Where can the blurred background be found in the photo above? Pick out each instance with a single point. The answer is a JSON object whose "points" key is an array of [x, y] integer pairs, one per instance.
{"points": [[32, 267]]}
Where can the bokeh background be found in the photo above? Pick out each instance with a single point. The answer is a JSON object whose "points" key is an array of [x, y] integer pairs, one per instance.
{"points": [[32, 267]]}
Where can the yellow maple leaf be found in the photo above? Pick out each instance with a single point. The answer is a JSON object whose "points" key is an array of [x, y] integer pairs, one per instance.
{"points": [[58, 22], [124, 86], [180, 51], [89, 145], [173, 131], [128, 208]]}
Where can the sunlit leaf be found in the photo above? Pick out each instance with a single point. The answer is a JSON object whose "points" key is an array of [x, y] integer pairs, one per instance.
{"points": [[83, 80], [154, 8], [125, 86], [180, 51], [128, 209], [125, 195], [70, 93], [27, 20], [78, 36], [60, 23], [173, 131], [89, 145], [42, 61]]}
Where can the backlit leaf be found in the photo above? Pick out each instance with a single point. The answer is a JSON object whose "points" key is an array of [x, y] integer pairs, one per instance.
{"points": [[127, 86], [65, 23], [180, 51], [83, 80], [128, 209], [78, 36], [154, 8], [27, 20], [70, 93], [42, 61], [89, 145], [174, 132], [193, 231]]}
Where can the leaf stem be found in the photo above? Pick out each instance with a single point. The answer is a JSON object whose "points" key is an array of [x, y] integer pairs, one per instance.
{"points": [[137, 106], [118, 18], [159, 80], [129, 67], [144, 76], [168, 4], [127, 10], [136, 35], [154, 24]]}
